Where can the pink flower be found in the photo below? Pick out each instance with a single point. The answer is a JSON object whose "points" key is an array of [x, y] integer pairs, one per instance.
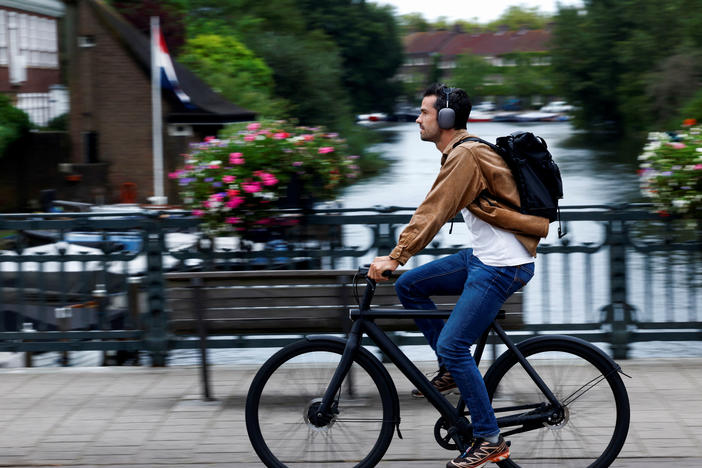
{"points": [[297, 163], [232, 193], [253, 126], [325, 149], [234, 202], [264, 221], [214, 165], [198, 213], [308, 137], [267, 178], [698, 167], [236, 158], [281, 135], [251, 187], [233, 220], [228, 179], [209, 139], [250, 138], [174, 175], [677, 145]]}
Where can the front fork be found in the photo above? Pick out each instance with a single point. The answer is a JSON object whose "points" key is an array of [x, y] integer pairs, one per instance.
{"points": [[324, 412]]}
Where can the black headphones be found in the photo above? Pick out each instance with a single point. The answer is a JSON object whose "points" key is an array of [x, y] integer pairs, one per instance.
{"points": [[447, 116]]}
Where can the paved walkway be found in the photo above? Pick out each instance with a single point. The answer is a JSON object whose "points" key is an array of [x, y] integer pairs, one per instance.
{"points": [[144, 417]]}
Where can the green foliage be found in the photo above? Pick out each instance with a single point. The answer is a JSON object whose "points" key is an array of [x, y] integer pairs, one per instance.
{"points": [[413, 22], [307, 73], [233, 70], [368, 41], [521, 17], [693, 108], [523, 78], [471, 73], [14, 123], [608, 60], [321, 53], [59, 123]]}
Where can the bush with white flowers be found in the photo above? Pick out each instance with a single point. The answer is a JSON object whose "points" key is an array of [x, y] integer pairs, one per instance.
{"points": [[670, 170]]}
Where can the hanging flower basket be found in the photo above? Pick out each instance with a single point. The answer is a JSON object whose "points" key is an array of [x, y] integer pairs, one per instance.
{"points": [[237, 183]]}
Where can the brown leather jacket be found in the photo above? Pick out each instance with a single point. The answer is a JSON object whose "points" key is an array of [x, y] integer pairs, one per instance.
{"points": [[465, 172]]}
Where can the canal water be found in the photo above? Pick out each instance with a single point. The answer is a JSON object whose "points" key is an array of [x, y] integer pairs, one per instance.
{"points": [[591, 175]]}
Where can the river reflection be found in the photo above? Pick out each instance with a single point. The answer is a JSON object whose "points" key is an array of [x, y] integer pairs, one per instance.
{"points": [[590, 176]]}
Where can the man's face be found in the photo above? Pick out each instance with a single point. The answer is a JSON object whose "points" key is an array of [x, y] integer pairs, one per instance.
{"points": [[428, 124]]}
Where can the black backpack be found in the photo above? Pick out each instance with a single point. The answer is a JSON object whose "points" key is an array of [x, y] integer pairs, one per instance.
{"points": [[536, 174]]}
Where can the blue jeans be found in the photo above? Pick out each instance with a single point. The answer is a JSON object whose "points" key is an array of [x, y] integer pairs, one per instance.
{"points": [[483, 290]]}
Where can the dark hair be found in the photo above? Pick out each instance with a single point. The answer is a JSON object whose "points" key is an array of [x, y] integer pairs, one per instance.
{"points": [[458, 100]]}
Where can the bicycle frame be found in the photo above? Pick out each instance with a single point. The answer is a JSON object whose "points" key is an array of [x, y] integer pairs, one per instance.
{"points": [[363, 323]]}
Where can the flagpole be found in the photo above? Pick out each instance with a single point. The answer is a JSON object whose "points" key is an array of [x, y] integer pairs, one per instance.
{"points": [[159, 197]]}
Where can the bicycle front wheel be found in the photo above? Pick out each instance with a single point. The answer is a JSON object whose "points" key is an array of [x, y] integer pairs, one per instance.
{"points": [[290, 385], [593, 427]]}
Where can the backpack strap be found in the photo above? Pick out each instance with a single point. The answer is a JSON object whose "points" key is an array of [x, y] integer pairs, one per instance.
{"points": [[485, 194]]}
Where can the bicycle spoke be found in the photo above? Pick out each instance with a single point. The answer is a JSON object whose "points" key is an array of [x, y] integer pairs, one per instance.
{"points": [[588, 427]]}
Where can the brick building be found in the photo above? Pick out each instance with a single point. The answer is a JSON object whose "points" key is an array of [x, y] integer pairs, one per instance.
{"points": [[29, 57], [111, 120], [426, 50]]}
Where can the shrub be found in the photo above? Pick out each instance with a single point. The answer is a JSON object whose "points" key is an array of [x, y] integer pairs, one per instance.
{"points": [[13, 123], [671, 170]]}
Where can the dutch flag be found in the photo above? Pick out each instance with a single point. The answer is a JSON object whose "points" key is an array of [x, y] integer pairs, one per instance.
{"points": [[169, 79]]}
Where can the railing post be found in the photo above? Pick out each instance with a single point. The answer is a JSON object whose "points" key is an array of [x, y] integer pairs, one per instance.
{"points": [[618, 314], [198, 302], [156, 336]]}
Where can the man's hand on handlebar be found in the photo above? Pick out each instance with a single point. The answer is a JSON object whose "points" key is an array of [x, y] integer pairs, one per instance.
{"points": [[380, 265]]}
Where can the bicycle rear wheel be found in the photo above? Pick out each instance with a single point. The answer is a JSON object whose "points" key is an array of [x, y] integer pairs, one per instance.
{"points": [[595, 423], [290, 385]]}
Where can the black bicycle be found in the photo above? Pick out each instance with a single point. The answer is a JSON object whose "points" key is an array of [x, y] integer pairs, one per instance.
{"points": [[327, 401]]}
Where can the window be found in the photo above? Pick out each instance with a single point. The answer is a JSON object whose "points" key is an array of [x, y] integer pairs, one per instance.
{"points": [[3, 38], [29, 40]]}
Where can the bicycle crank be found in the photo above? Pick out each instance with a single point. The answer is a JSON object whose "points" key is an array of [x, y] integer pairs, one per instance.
{"points": [[444, 433]]}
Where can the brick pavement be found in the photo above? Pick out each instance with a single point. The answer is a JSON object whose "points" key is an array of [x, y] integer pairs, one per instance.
{"points": [[144, 417]]}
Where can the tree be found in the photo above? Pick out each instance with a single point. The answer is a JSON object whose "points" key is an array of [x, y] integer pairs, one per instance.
{"points": [[171, 15], [605, 56], [520, 17], [233, 70], [471, 74], [412, 22], [368, 42]]}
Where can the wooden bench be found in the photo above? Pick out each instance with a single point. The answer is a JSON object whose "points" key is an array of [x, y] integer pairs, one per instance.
{"points": [[281, 302]]}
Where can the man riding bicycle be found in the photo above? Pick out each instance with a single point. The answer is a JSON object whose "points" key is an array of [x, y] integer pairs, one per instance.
{"points": [[475, 181]]}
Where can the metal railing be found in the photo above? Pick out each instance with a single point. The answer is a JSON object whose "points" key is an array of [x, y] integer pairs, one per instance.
{"points": [[95, 281]]}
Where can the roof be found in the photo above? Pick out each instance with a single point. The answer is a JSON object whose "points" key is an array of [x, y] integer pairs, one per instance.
{"points": [[427, 42], [486, 44], [209, 107], [53, 8]]}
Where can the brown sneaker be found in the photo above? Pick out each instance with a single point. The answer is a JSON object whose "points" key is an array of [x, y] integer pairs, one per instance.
{"points": [[480, 453], [443, 382]]}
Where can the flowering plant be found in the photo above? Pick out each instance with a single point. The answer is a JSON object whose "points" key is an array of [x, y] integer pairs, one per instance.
{"points": [[234, 182], [671, 170]]}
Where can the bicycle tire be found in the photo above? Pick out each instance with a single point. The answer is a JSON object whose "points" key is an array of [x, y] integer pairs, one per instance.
{"points": [[597, 419], [295, 378]]}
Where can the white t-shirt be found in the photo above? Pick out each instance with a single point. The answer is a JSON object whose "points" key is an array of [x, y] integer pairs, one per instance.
{"points": [[494, 246]]}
